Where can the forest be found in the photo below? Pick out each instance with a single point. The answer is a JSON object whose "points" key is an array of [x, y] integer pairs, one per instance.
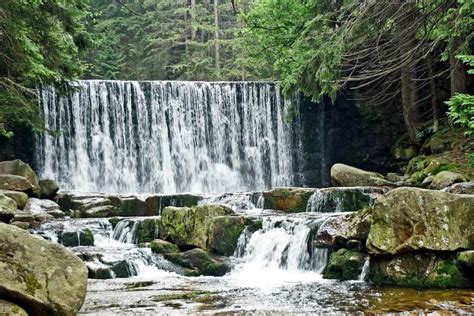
{"points": [[227, 157]]}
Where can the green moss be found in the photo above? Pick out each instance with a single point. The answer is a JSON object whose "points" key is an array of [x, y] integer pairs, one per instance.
{"points": [[147, 230], [162, 247], [344, 265], [32, 283]]}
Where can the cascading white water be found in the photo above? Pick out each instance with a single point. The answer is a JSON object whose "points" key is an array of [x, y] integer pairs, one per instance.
{"points": [[125, 231], [161, 136]]}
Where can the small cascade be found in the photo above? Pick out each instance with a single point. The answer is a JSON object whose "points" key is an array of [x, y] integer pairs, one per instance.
{"points": [[365, 270], [239, 202], [345, 199], [125, 231], [283, 244]]}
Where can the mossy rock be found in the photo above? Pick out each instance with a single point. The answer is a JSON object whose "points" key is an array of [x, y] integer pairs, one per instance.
{"points": [[82, 238], [147, 230], [17, 183], [253, 224], [7, 208], [345, 265], [224, 232], [347, 176], [420, 270], [20, 198], [288, 200], [156, 203], [200, 261], [160, 246], [124, 269], [132, 206], [446, 178], [466, 260], [48, 188], [19, 168]]}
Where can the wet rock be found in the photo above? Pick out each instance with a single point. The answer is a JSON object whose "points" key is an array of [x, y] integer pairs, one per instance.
{"points": [[132, 206], [461, 188], [20, 197], [77, 238], [22, 225], [19, 168], [224, 232], [48, 188], [445, 179], [99, 211], [124, 269], [24, 216], [348, 199], [347, 176], [100, 272], [43, 278], [11, 309], [288, 200], [162, 246], [156, 203], [409, 219], [199, 261], [187, 226], [421, 270], [7, 208], [147, 230], [37, 207], [345, 265], [17, 183], [253, 224]]}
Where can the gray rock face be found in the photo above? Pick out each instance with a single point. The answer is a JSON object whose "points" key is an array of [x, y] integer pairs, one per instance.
{"points": [[11, 309], [347, 176], [17, 183], [43, 278], [7, 208], [19, 168], [411, 219], [41, 207], [445, 179]]}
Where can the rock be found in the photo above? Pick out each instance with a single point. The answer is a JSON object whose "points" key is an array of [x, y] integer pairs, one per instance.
{"points": [[147, 230], [224, 232], [199, 261], [7, 208], [24, 216], [132, 206], [48, 188], [347, 176], [337, 231], [22, 225], [253, 224], [99, 211], [17, 183], [461, 188], [11, 309], [37, 207], [445, 179], [156, 203], [19, 168], [289, 200], [100, 272], [124, 269], [44, 217], [394, 177], [466, 259], [438, 145], [427, 181], [421, 270], [77, 238], [187, 226], [162, 246], [20, 197], [409, 219], [43, 278], [349, 199], [344, 265]]}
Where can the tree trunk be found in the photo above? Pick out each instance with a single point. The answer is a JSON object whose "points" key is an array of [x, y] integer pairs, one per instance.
{"points": [[458, 73], [434, 94], [216, 38]]}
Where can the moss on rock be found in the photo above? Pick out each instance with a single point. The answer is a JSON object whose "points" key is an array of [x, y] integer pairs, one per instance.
{"points": [[344, 265], [288, 200], [224, 232]]}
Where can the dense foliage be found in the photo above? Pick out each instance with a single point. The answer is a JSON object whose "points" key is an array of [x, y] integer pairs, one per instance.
{"points": [[40, 42]]}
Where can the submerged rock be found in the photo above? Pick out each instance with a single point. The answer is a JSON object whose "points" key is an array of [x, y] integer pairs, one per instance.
{"points": [[409, 219], [43, 278], [83, 237], [422, 270], [224, 232], [199, 262], [345, 265], [19, 168], [20, 197], [288, 200], [189, 226], [445, 179], [48, 188], [347, 176], [7, 208]]}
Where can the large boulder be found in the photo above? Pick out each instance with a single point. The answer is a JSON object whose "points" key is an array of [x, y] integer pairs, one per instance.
{"points": [[7, 208], [199, 262], [48, 188], [40, 207], [11, 309], [408, 219], [19, 168], [288, 200], [343, 199], [17, 183], [345, 265], [20, 197], [189, 226], [461, 188], [224, 232], [41, 277], [347, 176], [445, 179], [421, 270]]}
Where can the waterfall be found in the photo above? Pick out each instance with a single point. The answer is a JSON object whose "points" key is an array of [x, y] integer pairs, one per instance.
{"points": [[162, 136], [126, 230]]}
